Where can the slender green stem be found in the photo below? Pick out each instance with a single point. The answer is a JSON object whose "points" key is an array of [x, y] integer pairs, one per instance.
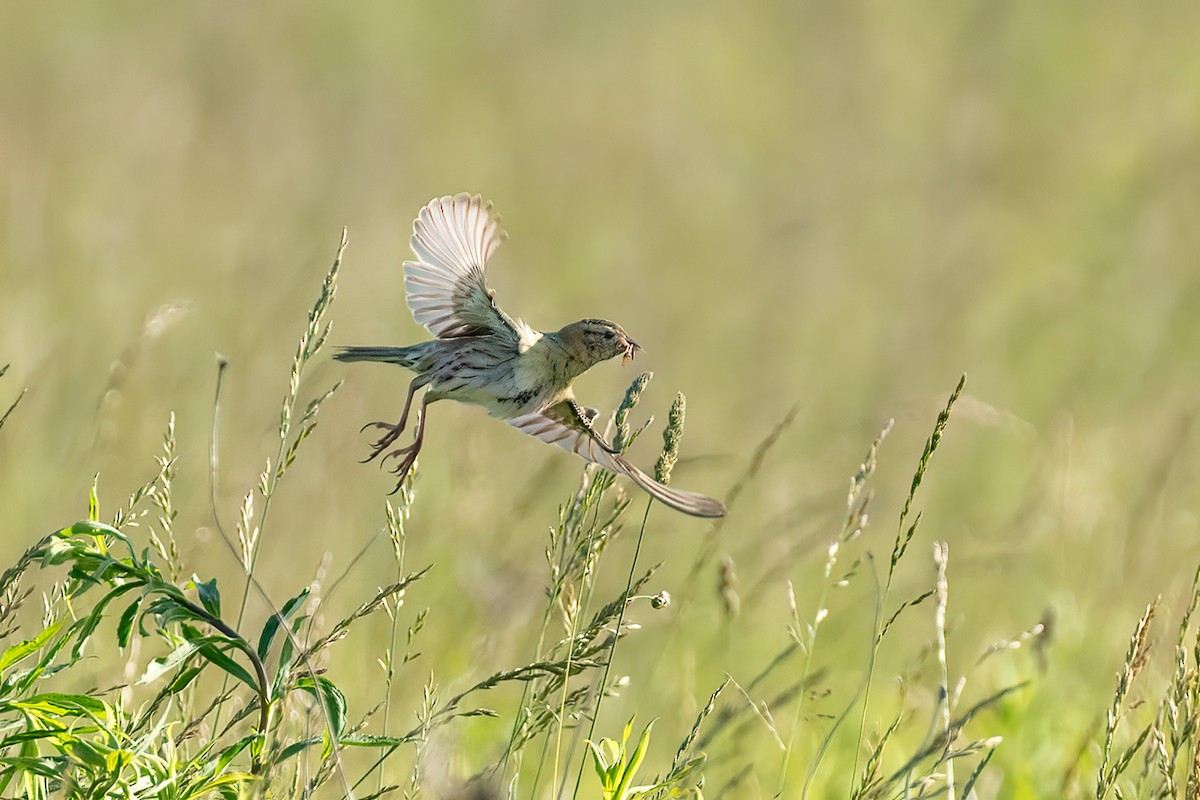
{"points": [[810, 651], [512, 739], [541, 643], [837, 723], [903, 537], [260, 671], [391, 663], [876, 636], [562, 703], [941, 557], [581, 608], [589, 590], [563, 564], [612, 649]]}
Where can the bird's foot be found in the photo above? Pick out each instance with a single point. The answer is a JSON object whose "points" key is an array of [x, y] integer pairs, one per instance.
{"points": [[406, 463], [385, 441]]}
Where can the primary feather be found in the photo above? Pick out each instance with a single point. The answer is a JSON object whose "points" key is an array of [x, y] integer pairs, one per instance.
{"points": [[453, 238]]}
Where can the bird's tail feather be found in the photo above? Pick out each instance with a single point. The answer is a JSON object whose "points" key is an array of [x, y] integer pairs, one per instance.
{"points": [[693, 503], [404, 356]]}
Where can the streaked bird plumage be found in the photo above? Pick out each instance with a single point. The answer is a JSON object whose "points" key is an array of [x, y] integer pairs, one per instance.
{"points": [[483, 356]]}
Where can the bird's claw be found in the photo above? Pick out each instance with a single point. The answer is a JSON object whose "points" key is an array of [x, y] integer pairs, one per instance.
{"points": [[405, 466], [393, 433], [403, 451], [399, 484]]}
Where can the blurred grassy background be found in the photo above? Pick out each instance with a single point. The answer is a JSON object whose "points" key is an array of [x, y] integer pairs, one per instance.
{"points": [[843, 205]]}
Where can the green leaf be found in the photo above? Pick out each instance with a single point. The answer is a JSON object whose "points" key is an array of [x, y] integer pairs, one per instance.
{"points": [[635, 761], [334, 701], [48, 767], [213, 653], [116, 760], [92, 754], [272, 627], [170, 608], [210, 597], [212, 649], [125, 624], [207, 647], [226, 756], [91, 528], [58, 704], [17, 652], [600, 763], [59, 548], [300, 746], [180, 681], [20, 683], [286, 650], [608, 759], [58, 733], [92, 620], [164, 664], [94, 500]]}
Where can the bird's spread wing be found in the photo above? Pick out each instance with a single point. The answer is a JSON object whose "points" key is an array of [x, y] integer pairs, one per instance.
{"points": [[563, 424], [453, 238]]}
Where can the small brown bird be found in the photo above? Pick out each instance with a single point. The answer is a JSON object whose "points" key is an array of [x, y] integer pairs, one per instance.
{"points": [[483, 356]]}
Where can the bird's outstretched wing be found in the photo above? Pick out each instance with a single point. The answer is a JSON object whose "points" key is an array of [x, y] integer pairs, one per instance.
{"points": [[453, 238], [564, 425]]}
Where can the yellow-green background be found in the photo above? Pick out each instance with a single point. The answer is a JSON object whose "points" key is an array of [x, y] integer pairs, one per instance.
{"points": [[838, 204]]}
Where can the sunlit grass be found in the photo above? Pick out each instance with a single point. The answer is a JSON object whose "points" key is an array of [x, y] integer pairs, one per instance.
{"points": [[235, 709], [813, 217]]}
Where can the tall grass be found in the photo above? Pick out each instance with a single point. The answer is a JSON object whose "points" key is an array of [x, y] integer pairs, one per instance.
{"points": [[222, 704]]}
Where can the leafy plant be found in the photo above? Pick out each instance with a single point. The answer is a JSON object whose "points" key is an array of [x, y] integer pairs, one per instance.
{"points": [[616, 766]]}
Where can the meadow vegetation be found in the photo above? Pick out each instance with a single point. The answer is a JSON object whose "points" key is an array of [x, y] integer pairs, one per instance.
{"points": [[814, 218]]}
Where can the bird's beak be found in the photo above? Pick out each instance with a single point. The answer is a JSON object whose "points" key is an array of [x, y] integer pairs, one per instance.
{"points": [[631, 347]]}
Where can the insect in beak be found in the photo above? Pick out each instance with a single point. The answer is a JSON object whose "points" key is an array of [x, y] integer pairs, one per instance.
{"points": [[631, 347]]}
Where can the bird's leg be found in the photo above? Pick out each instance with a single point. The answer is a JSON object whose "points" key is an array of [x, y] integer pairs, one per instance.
{"points": [[410, 453], [393, 431]]}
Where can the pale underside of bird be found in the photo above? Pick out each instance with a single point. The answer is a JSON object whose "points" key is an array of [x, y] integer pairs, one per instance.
{"points": [[480, 355]]}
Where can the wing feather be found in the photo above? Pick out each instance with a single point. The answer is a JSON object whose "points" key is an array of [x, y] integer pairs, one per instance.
{"points": [[563, 425], [453, 238]]}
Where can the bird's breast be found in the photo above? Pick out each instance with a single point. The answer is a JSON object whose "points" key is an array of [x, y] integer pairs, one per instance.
{"points": [[544, 369]]}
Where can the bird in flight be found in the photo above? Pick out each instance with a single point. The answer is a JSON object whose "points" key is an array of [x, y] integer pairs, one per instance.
{"points": [[483, 356]]}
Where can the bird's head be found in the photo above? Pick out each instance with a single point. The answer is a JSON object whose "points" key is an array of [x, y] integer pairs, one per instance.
{"points": [[597, 340]]}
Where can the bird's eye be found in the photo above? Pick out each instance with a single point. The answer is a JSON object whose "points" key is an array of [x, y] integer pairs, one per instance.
{"points": [[610, 335]]}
